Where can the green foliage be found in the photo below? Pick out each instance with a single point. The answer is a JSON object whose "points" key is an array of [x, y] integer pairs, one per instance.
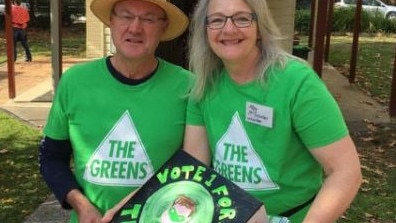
{"points": [[343, 20], [303, 4], [21, 186], [302, 21], [376, 23]]}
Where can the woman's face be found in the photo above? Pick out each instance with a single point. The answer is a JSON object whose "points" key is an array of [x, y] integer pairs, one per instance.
{"points": [[230, 43]]}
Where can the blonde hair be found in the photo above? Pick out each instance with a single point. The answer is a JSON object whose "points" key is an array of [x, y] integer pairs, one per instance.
{"points": [[207, 65]]}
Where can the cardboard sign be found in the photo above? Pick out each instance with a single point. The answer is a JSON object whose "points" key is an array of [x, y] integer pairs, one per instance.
{"points": [[185, 190]]}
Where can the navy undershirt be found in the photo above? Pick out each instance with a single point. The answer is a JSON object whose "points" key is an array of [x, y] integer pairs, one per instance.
{"points": [[121, 78]]}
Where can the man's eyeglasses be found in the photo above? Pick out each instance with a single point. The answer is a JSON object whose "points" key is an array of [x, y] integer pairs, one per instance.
{"points": [[240, 20], [127, 19]]}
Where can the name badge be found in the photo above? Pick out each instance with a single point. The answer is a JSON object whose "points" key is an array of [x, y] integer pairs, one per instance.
{"points": [[259, 114]]}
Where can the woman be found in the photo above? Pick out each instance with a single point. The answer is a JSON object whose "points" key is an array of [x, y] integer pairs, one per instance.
{"points": [[263, 118]]}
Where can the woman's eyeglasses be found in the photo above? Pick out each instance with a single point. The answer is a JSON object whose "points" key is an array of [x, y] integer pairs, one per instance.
{"points": [[240, 20]]}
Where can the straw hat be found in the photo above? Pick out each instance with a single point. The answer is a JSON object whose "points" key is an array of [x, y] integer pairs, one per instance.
{"points": [[178, 21]]}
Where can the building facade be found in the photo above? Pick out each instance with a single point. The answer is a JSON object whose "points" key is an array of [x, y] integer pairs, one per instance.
{"points": [[98, 42]]}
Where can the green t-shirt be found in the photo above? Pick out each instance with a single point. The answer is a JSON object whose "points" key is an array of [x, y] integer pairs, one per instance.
{"points": [[260, 135], [120, 134]]}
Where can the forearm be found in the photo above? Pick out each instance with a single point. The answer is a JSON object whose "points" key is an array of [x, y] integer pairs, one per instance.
{"points": [[335, 196], [77, 200], [54, 159], [196, 143]]}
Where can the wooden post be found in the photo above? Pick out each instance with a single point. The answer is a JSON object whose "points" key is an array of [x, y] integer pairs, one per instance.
{"points": [[329, 27], [10, 50], [392, 100], [312, 23], [320, 31], [56, 41], [355, 44]]}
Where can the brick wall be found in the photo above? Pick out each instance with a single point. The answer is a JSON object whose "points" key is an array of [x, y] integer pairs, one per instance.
{"points": [[96, 39], [283, 13]]}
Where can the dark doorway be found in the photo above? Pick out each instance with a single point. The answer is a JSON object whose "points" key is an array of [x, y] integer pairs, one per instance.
{"points": [[175, 51]]}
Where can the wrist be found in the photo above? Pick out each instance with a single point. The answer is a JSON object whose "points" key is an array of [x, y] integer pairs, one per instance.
{"points": [[78, 201]]}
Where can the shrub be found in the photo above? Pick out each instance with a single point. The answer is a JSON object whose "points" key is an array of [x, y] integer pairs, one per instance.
{"points": [[302, 21], [343, 20]]}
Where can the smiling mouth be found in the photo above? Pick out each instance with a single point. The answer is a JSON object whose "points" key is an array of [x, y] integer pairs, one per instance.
{"points": [[132, 40], [231, 42]]}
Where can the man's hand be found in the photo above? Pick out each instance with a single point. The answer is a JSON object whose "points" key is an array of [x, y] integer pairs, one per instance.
{"points": [[110, 213], [89, 215], [86, 212]]}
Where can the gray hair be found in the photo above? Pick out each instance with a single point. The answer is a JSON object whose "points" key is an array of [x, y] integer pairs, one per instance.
{"points": [[207, 65]]}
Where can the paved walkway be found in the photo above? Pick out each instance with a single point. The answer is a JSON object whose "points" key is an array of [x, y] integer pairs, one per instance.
{"points": [[32, 106]]}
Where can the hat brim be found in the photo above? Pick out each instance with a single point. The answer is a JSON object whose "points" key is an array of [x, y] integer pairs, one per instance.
{"points": [[178, 21]]}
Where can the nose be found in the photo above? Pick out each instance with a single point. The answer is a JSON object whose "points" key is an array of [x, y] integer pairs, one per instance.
{"points": [[135, 25], [229, 24]]}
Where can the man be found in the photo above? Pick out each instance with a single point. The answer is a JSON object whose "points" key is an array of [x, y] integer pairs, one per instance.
{"points": [[120, 117], [20, 18]]}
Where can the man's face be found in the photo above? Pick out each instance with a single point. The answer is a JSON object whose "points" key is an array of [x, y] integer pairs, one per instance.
{"points": [[137, 27]]}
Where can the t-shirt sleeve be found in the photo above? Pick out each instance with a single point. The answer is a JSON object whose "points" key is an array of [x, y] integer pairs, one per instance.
{"points": [[316, 115], [57, 122], [194, 114]]}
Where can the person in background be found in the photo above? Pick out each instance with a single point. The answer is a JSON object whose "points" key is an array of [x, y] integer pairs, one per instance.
{"points": [[118, 118], [20, 19], [263, 118]]}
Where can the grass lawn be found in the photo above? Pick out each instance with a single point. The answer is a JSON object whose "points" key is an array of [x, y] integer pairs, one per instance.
{"points": [[376, 200], [374, 63], [22, 189], [21, 186]]}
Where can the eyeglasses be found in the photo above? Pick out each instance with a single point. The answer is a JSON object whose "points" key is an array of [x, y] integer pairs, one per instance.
{"points": [[127, 19], [240, 20]]}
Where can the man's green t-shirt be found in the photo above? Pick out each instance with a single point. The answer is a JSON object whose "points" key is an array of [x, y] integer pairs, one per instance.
{"points": [[260, 134], [120, 134]]}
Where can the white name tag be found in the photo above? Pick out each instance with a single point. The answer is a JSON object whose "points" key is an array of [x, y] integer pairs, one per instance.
{"points": [[259, 114]]}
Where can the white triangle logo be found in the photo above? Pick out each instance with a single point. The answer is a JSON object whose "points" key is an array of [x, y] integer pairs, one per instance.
{"points": [[121, 157], [236, 159]]}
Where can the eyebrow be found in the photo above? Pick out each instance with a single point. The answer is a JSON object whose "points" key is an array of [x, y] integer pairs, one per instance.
{"points": [[123, 10], [222, 14], [131, 13]]}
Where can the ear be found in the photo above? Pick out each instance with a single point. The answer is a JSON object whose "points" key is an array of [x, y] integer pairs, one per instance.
{"points": [[258, 35], [165, 26], [111, 19]]}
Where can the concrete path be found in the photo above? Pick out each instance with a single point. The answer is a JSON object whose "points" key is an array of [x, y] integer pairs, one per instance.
{"points": [[358, 108]]}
